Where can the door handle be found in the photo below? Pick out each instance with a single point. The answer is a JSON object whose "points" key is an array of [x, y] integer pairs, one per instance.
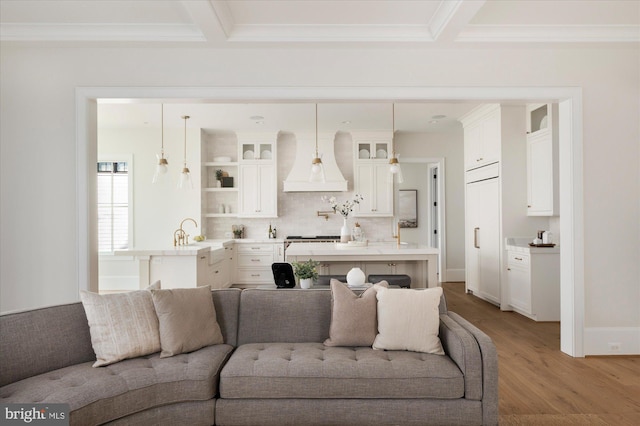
{"points": [[475, 238]]}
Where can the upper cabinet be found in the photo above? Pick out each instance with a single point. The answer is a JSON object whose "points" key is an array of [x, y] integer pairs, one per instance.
{"points": [[258, 175], [542, 160], [371, 174], [482, 136]]}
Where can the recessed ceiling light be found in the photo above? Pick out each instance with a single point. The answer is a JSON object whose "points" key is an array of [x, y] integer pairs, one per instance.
{"points": [[433, 121], [256, 117], [438, 117], [260, 122], [346, 122]]}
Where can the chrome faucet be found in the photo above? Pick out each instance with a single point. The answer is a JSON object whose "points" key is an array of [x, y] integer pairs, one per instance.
{"points": [[179, 236]]}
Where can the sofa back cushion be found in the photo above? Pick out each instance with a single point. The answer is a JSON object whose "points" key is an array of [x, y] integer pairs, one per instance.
{"points": [[34, 342], [227, 304], [41, 340], [284, 315]]}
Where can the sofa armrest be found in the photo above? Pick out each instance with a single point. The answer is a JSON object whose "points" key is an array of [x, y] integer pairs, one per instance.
{"points": [[489, 357], [460, 345]]}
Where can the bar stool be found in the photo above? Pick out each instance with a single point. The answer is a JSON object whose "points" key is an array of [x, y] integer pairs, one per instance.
{"points": [[400, 280]]}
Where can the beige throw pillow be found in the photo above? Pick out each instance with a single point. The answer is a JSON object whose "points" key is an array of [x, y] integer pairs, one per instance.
{"points": [[122, 325], [409, 320], [187, 320], [353, 317]]}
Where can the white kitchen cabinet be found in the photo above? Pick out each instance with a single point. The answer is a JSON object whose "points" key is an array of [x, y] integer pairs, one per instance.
{"points": [[258, 190], [221, 266], [542, 160], [256, 151], [533, 276], [495, 195], [254, 259], [371, 173], [482, 246], [180, 271], [482, 136], [373, 150], [373, 183]]}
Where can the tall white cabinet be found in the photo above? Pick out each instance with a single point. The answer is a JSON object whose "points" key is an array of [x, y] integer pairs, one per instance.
{"points": [[482, 241], [495, 145], [258, 176], [371, 174], [542, 160]]}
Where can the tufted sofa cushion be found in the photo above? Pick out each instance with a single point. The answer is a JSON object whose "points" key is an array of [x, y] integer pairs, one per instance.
{"points": [[312, 370], [98, 395]]}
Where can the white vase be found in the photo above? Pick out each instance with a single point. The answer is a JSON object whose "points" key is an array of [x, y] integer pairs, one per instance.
{"points": [[345, 235], [306, 282], [355, 277]]}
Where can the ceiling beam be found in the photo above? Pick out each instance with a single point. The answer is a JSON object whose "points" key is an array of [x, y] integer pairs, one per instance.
{"points": [[208, 17], [451, 17]]}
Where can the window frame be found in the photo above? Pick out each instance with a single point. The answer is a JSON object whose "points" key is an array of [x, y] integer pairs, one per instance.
{"points": [[115, 158]]}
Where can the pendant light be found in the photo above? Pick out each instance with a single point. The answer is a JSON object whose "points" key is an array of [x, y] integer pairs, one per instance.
{"points": [[163, 165], [317, 168], [184, 182], [394, 165]]}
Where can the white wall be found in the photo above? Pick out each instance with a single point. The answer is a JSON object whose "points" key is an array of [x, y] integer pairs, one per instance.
{"points": [[38, 141], [158, 209], [450, 146]]}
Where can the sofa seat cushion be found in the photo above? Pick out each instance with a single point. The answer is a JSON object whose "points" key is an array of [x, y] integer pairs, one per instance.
{"points": [[98, 395], [312, 370]]}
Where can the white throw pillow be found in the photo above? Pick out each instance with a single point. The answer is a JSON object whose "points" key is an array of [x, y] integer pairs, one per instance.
{"points": [[122, 325], [409, 320]]}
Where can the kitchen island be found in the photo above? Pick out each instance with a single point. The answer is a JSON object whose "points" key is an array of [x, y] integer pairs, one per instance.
{"points": [[196, 264], [417, 261]]}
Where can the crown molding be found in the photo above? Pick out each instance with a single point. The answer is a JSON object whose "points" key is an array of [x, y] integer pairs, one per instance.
{"points": [[550, 33], [330, 33], [101, 32]]}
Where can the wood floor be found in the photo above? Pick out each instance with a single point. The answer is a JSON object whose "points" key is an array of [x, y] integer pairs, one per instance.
{"points": [[538, 384]]}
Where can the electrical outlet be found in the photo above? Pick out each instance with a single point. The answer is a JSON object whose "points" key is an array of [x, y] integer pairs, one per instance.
{"points": [[614, 347], [228, 234]]}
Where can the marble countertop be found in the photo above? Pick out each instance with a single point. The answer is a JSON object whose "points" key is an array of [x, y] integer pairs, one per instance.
{"points": [[373, 249], [193, 249]]}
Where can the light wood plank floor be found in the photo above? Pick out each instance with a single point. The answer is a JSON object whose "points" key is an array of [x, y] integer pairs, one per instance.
{"points": [[538, 384]]}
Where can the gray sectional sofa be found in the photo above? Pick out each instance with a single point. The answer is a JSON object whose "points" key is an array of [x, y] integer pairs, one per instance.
{"points": [[272, 370]]}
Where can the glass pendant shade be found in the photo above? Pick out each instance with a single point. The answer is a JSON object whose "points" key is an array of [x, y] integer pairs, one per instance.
{"points": [[184, 180], [317, 170], [395, 169], [159, 176]]}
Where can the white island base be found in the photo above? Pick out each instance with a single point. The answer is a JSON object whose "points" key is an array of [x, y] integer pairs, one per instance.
{"points": [[418, 261]]}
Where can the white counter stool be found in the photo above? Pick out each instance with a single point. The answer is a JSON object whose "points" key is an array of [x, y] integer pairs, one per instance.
{"points": [[400, 280]]}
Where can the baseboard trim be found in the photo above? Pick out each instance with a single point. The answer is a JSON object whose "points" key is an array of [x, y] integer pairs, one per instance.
{"points": [[455, 275], [599, 340]]}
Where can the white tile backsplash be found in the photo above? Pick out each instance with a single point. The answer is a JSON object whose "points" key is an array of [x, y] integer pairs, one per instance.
{"points": [[297, 211]]}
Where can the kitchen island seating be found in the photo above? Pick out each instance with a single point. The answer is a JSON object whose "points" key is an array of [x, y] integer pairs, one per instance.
{"points": [[272, 369], [401, 280]]}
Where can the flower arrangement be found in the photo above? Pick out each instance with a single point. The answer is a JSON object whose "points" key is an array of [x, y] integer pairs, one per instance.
{"points": [[345, 208], [306, 269]]}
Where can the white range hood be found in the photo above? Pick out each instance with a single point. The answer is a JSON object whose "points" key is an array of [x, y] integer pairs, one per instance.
{"points": [[298, 178]]}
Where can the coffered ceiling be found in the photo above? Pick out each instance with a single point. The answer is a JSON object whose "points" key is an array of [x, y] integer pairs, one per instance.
{"points": [[312, 23]]}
